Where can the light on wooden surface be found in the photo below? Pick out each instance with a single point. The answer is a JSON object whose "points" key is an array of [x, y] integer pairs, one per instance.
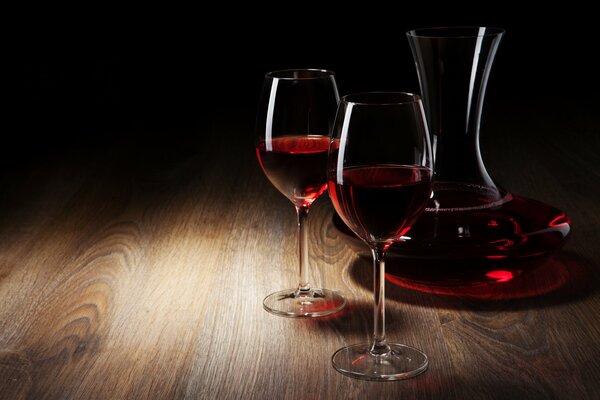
{"points": [[125, 278]]}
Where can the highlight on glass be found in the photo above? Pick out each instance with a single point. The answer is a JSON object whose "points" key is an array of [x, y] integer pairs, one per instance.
{"points": [[379, 177], [295, 117]]}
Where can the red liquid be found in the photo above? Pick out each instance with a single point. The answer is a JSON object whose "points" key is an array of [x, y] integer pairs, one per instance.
{"points": [[296, 166], [477, 252], [515, 227], [380, 202]]}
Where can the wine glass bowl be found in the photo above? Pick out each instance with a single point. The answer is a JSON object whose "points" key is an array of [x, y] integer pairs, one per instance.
{"points": [[379, 178], [295, 116]]}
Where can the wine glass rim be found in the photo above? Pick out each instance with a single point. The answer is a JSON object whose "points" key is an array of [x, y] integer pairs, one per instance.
{"points": [[312, 73], [449, 32], [408, 98]]}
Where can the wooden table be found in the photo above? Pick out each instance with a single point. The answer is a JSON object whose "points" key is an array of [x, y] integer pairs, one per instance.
{"points": [[137, 271]]}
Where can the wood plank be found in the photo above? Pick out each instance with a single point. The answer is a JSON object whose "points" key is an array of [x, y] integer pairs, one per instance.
{"points": [[140, 273]]}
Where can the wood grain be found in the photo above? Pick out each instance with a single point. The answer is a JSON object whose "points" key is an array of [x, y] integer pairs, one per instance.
{"points": [[140, 272]]}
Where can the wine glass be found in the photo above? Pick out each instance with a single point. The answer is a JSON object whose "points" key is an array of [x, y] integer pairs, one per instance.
{"points": [[379, 176], [296, 114]]}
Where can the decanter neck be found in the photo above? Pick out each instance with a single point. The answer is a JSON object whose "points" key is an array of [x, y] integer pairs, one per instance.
{"points": [[453, 66]]}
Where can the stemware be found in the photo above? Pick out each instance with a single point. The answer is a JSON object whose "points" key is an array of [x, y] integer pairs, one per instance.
{"points": [[296, 113], [379, 176]]}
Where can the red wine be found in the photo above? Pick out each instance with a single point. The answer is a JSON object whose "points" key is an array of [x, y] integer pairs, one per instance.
{"points": [[477, 251], [380, 202], [296, 166], [514, 227]]}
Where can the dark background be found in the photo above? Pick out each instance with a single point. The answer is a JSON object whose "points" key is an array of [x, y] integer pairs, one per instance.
{"points": [[86, 81]]}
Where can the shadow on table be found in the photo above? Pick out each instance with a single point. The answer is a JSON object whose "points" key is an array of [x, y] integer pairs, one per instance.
{"points": [[557, 279]]}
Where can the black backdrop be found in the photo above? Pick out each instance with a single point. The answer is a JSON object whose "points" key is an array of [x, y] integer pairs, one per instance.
{"points": [[84, 81]]}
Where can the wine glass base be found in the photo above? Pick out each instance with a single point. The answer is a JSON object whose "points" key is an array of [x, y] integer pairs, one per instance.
{"points": [[401, 362], [294, 303]]}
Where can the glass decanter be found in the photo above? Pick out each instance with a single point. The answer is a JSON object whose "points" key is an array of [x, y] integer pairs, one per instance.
{"points": [[472, 232]]}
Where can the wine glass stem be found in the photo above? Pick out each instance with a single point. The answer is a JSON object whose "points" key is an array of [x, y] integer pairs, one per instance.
{"points": [[379, 345], [303, 285]]}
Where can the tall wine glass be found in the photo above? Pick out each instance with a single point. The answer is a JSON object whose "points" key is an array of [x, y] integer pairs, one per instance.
{"points": [[379, 176], [296, 114]]}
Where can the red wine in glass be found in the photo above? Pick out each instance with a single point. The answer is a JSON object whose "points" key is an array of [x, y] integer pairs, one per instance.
{"points": [[381, 202], [296, 166], [295, 116], [379, 178]]}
